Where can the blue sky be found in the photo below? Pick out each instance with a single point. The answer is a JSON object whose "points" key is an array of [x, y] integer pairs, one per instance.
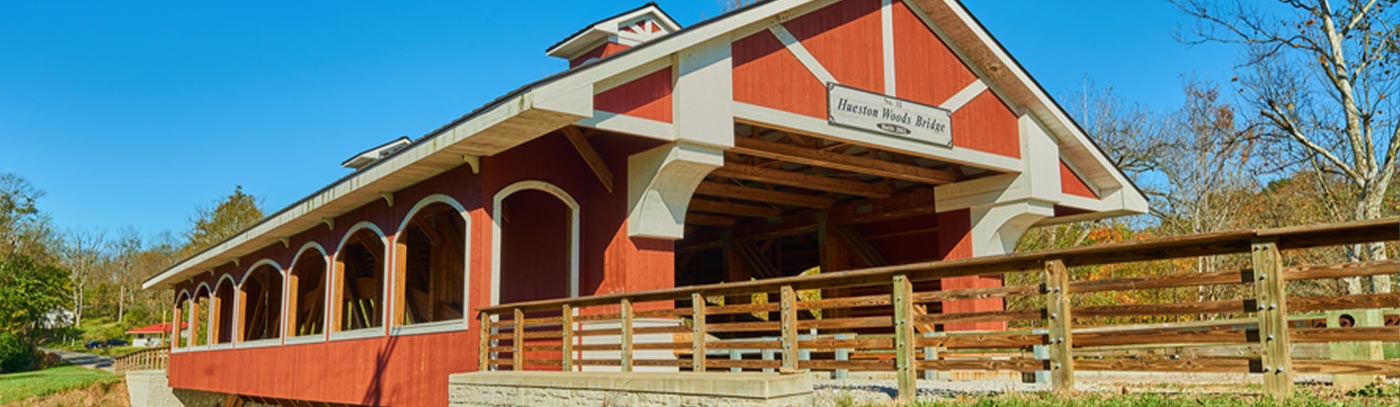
{"points": [[132, 114]]}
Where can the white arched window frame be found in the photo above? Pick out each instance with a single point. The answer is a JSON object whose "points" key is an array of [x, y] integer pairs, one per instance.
{"points": [[239, 309], [178, 318], [439, 326], [233, 324], [194, 312], [574, 222], [326, 271], [384, 293]]}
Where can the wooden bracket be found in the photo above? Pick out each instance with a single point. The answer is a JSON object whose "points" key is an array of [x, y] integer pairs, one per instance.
{"points": [[330, 223], [590, 156], [473, 161], [388, 197], [286, 243]]}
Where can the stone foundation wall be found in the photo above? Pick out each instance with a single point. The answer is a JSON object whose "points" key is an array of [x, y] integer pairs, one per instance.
{"points": [[538, 389], [151, 388]]}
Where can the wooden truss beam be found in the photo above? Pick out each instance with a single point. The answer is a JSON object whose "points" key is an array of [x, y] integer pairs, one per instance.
{"points": [[802, 180], [838, 161], [900, 206], [701, 219], [735, 209], [710, 188], [590, 156]]}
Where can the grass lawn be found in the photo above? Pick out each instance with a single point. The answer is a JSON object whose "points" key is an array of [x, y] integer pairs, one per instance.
{"points": [[20, 386]]}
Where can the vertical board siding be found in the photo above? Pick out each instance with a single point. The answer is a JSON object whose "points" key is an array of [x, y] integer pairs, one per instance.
{"points": [[926, 70], [405, 370], [845, 38], [766, 74], [1071, 183], [647, 97], [602, 51], [985, 124], [955, 242]]}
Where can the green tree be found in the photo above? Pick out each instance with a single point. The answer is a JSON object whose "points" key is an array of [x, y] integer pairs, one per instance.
{"points": [[30, 294], [1322, 76], [230, 215]]}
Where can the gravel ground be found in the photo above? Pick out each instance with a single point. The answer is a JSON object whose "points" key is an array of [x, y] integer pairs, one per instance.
{"points": [[879, 391], [833, 392]]}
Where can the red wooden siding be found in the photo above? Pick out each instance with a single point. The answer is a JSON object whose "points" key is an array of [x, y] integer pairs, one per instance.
{"points": [[647, 97], [955, 242], [602, 51], [412, 370], [766, 74], [926, 70], [985, 124], [1071, 183], [845, 38], [534, 247], [399, 371]]}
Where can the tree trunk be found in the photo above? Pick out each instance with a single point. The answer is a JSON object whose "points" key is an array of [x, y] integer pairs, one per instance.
{"points": [[1369, 207]]}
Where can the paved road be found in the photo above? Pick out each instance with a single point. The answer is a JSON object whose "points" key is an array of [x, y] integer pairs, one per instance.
{"points": [[83, 359]]}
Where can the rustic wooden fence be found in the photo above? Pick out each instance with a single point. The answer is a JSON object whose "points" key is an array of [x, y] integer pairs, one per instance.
{"points": [[146, 359], [883, 319]]}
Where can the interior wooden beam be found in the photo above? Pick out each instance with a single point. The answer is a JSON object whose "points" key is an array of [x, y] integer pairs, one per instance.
{"points": [[802, 180], [735, 209], [716, 189], [709, 220], [903, 205], [590, 156], [838, 161]]}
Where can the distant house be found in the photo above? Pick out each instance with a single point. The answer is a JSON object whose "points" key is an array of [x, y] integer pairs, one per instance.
{"points": [[57, 318], [153, 335]]}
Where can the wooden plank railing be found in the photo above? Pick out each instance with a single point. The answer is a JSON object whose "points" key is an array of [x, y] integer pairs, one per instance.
{"points": [[719, 327], [146, 359]]}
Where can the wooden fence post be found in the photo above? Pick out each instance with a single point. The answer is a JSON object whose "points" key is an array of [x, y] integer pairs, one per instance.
{"points": [[788, 307], [697, 332], [566, 324], [902, 294], [1058, 321], [483, 354], [1275, 348], [626, 335], [518, 341]]}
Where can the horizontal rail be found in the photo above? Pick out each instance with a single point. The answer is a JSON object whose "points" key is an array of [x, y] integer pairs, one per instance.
{"points": [[897, 318]]}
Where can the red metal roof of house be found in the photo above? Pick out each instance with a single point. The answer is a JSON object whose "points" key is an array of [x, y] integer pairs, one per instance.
{"points": [[156, 329]]}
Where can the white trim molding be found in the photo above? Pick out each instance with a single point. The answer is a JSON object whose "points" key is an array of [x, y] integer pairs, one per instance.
{"points": [[574, 232]]}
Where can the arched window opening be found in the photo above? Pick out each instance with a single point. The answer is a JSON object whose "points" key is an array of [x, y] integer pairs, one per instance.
{"points": [[306, 290], [432, 266], [261, 299], [180, 321], [222, 322], [360, 276], [535, 247], [199, 317]]}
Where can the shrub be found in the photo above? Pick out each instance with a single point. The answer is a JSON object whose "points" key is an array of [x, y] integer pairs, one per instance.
{"points": [[16, 354]]}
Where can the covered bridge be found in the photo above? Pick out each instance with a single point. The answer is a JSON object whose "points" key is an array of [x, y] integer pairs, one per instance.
{"points": [[785, 137]]}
